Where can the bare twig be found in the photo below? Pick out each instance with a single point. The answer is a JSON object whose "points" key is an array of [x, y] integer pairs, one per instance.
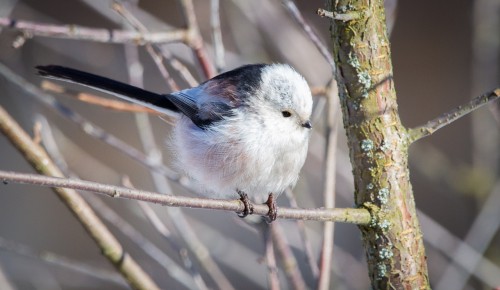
{"points": [[93, 34], [155, 55], [347, 215], [297, 16], [194, 39], [443, 240], [273, 280], [311, 260], [217, 35], [109, 245], [63, 262], [179, 67], [329, 186], [432, 126], [479, 237], [291, 267]]}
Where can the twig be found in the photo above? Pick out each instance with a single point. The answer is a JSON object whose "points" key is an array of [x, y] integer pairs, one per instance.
{"points": [[347, 215], [155, 55], [479, 237], [297, 16], [329, 186], [291, 267], [96, 100], [443, 240], [109, 245], [432, 126], [310, 259], [87, 126], [194, 39], [63, 262], [93, 34], [217, 35], [179, 67], [273, 280], [318, 91]]}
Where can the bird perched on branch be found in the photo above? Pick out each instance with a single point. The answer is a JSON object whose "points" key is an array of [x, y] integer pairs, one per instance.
{"points": [[242, 133]]}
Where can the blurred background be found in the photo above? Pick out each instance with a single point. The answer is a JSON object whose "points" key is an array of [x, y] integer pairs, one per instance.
{"points": [[443, 53]]}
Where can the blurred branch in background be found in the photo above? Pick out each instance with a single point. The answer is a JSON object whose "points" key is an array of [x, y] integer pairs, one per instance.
{"points": [[253, 31], [105, 240]]}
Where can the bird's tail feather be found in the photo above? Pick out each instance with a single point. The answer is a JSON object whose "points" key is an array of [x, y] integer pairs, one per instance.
{"points": [[137, 95]]}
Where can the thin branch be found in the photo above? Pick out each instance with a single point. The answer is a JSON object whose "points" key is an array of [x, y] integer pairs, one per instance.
{"points": [[273, 280], [93, 34], [155, 55], [217, 35], [63, 262], [432, 126], [310, 259], [108, 244], [326, 258], [194, 39], [297, 16], [347, 215], [291, 267]]}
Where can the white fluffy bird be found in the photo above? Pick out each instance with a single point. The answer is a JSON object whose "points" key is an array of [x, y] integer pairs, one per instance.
{"points": [[242, 133]]}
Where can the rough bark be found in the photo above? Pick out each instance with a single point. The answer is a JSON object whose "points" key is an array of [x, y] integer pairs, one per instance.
{"points": [[378, 145]]}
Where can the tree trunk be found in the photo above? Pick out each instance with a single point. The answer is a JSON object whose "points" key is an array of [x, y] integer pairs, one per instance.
{"points": [[378, 145]]}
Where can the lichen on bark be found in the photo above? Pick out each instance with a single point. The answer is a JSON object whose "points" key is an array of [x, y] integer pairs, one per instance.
{"points": [[378, 145]]}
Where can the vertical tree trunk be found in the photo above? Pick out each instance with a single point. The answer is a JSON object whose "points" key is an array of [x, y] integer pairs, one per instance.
{"points": [[378, 145]]}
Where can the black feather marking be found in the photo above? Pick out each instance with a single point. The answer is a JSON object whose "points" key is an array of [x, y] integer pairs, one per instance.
{"points": [[107, 85]]}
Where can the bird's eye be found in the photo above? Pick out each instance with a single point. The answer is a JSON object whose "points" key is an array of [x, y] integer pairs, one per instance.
{"points": [[286, 114]]}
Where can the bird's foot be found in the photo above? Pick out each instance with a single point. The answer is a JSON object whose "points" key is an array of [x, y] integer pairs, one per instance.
{"points": [[273, 209], [246, 202]]}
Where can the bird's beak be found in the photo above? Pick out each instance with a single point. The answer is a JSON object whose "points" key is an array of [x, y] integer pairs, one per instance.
{"points": [[307, 124]]}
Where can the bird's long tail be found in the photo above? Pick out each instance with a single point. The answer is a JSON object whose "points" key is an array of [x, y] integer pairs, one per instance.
{"points": [[137, 95]]}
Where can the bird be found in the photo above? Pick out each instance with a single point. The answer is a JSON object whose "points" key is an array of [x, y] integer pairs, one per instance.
{"points": [[243, 133]]}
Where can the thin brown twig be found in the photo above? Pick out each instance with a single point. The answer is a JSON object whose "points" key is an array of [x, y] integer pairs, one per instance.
{"points": [[93, 34], [432, 126], [329, 186], [54, 259], [109, 245], [194, 39], [217, 35], [273, 280], [318, 91], [359, 216], [310, 259], [297, 16], [291, 267], [155, 55]]}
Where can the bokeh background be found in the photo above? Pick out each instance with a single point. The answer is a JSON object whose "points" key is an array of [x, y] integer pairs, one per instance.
{"points": [[443, 53]]}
